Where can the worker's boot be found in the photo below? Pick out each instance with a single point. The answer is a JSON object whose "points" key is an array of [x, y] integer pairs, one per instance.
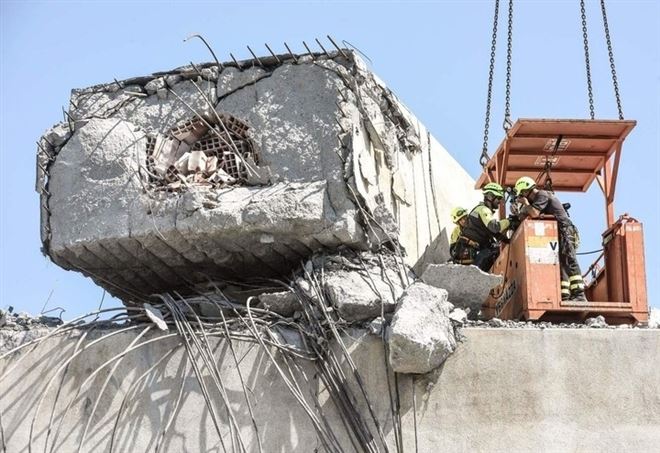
{"points": [[578, 296]]}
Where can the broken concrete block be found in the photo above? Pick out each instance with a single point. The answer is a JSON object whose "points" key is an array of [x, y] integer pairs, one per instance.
{"points": [[284, 303], [182, 163], [196, 161], [468, 286], [155, 316], [221, 176], [292, 114], [155, 85], [211, 165], [376, 326], [171, 80], [496, 322], [58, 134], [597, 323], [458, 316], [359, 296], [421, 335]]}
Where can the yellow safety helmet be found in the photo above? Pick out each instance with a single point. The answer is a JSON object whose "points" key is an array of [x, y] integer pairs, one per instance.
{"points": [[458, 213], [524, 183], [493, 188]]}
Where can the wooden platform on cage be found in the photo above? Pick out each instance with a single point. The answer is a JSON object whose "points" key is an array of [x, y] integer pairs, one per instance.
{"points": [[585, 149]]}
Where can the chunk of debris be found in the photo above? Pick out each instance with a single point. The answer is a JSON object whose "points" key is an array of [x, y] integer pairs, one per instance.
{"points": [[496, 322], [421, 336], [467, 286], [155, 316], [597, 323], [376, 326], [284, 303], [359, 295], [458, 316]]}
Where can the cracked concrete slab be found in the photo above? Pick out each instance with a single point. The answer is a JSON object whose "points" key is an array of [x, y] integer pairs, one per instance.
{"points": [[467, 286], [421, 334], [102, 216]]}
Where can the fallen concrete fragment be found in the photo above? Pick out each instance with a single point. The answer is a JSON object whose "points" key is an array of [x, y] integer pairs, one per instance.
{"points": [[421, 336], [458, 316], [597, 323], [155, 316], [467, 286], [284, 303], [359, 296]]}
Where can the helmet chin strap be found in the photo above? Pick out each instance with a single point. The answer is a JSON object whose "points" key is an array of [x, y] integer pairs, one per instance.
{"points": [[489, 201]]}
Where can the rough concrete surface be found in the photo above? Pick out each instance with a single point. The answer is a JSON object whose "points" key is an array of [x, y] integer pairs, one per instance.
{"points": [[481, 399], [362, 295], [421, 336], [335, 139], [284, 303], [468, 286]]}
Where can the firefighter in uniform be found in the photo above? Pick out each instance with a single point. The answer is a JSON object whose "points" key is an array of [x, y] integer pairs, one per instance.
{"points": [[477, 243], [459, 218], [536, 202]]}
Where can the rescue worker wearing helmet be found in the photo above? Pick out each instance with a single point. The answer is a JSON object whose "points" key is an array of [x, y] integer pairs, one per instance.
{"points": [[535, 202], [478, 239], [459, 218]]}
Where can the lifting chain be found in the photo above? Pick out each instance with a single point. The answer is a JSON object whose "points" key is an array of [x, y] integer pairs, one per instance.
{"points": [[547, 167], [586, 59], [483, 160], [507, 105], [611, 55]]}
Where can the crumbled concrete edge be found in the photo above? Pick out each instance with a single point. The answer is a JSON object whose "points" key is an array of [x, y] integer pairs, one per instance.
{"points": [[421, 336], [380, 226], [468, 286]]}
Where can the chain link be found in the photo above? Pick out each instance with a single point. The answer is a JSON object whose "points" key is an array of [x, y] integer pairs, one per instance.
{"points": [[483, 160], [585, 38], [507, 104], [611, 55]]}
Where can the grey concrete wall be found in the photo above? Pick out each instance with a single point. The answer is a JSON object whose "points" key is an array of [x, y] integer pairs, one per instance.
{"points": [[502, 390]]}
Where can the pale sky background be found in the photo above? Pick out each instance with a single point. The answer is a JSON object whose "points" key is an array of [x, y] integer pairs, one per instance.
{"points": [[433, 55]]}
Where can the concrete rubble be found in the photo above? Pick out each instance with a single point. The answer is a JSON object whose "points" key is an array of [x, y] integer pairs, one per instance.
{"points": [[467, 286], [421, 336], [240, 171], [24, 321], [284, 303], [597, 323], [363, 289]]}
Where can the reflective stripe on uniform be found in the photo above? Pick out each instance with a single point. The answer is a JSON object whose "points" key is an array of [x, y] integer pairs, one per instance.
{"points": [[576, 282]]}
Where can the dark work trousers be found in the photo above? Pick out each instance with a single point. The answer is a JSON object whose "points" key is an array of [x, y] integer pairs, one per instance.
{"points": [[571, 275], [485, 258]]}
